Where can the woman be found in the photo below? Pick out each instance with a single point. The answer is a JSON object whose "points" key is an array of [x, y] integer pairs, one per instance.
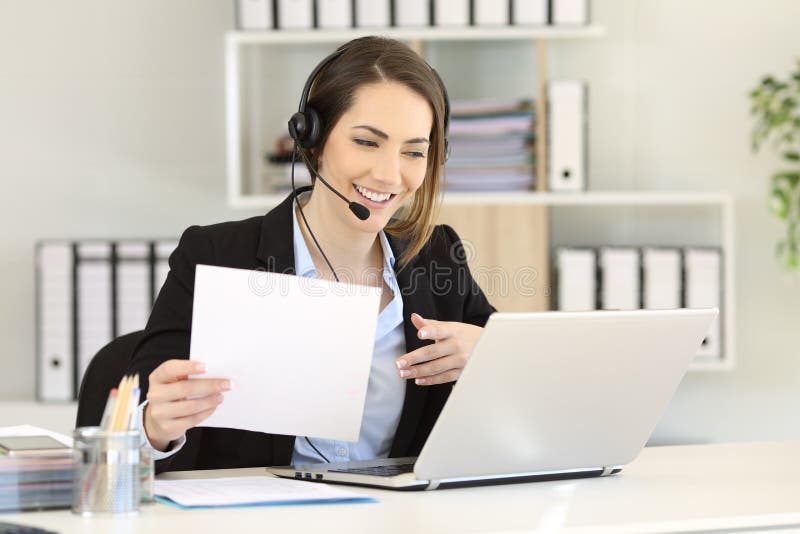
{"points": [[374, 130]]}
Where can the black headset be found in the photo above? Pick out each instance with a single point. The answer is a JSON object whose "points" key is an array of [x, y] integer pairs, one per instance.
{"points": [[305, 126]]}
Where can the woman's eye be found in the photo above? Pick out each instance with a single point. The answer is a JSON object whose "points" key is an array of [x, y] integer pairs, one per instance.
{"points": [[415, 154], [365, 142]]}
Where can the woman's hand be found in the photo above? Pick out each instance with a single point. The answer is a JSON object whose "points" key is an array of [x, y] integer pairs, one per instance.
{"points": [[176, 404], [444, 360]]}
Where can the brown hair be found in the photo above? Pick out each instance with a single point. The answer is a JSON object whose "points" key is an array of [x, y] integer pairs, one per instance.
{"points": [[377, 59]]}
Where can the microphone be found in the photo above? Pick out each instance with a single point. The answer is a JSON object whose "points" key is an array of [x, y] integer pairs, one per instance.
{"points": [[359, 210]]}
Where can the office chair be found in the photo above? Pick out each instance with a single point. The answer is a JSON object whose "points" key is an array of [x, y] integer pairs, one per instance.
{"points": [[102, 375]]}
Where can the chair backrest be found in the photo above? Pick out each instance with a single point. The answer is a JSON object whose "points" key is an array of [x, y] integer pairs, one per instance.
{"points": [[102, 375]]}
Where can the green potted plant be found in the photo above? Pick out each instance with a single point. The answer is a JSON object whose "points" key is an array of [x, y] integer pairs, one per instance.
{"points": [[776, 106]]}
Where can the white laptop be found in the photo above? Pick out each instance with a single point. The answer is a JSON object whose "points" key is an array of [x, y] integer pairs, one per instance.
{"points": [[544, 396]]}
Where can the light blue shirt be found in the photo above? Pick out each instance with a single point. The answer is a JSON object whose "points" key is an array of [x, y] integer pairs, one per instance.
{"points": [[385, 390]]}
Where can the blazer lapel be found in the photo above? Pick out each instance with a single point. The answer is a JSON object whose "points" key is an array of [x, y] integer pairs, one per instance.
{"points": [[413, 285], [276, 244]]}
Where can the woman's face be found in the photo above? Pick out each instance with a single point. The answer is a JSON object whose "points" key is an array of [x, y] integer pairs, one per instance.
{"points": [[377, 153]]}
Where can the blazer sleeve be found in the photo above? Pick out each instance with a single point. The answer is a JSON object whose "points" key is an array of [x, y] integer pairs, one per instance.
{"points": [[168, 332], [476, 307]]}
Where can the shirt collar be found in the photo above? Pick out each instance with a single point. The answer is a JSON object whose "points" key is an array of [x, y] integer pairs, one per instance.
{"points": [[304, 265]]}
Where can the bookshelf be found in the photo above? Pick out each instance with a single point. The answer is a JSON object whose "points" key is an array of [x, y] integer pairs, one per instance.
{"points": [[524, 218]]}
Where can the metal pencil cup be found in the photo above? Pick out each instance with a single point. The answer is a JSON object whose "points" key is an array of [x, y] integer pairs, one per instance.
{"points": [[107, 473]]}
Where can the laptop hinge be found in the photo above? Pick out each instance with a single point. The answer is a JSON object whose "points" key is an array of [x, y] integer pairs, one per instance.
{"points": [[433, 484], [607, 471]]}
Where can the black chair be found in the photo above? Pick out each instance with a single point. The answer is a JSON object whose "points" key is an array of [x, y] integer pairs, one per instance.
{"points": [[102, 375]]}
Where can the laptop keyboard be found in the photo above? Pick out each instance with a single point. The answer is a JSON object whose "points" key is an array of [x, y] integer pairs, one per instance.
{"points": [[378, 470]]}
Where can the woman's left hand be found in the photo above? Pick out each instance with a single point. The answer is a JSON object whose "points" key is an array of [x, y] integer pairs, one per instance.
{"points": [[444, 360]]}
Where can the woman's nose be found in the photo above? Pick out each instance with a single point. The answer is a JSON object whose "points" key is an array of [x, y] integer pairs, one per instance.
{"points": [[387, 170]]}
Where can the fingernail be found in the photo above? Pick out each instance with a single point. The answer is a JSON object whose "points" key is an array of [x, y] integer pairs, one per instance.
{"points": [[200, 367], [421, 381], [404, 374], [423, 333], [401, 363], [226, 385]]}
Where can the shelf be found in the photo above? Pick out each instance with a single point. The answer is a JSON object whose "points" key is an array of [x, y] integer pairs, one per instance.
{"points": [[591, 198], [470, 33]]}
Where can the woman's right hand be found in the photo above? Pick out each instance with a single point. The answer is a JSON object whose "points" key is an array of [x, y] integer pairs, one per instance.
{"points": [[176, 404]]}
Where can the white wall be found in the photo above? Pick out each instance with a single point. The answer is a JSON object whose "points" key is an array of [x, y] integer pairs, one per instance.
{"points": [[111, 125]]}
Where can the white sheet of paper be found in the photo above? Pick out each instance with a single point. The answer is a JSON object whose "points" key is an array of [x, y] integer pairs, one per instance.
{"points": [[248, 490], [297, 350]]}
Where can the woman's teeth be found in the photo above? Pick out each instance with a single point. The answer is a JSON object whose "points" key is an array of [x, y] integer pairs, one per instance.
{"points": [[376, 197]]}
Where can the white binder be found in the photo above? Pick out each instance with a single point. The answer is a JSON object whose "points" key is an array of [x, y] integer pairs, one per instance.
{"points": [[577, 279], [619, 278], [134, 298], [566, 140], [372, 14], [570, 12], [163, 249], [412, 13], [255, 14], [661, 278], [94, 301], [54, 362], [530, 12], [295, 14], [703, 275], [451, 12], [334, 14], [490, 13]]}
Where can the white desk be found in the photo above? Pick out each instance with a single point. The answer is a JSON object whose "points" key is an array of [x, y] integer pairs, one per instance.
{"points": [[667, 489]]}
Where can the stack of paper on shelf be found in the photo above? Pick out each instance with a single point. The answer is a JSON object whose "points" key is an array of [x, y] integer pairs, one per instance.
{"points": [[490, 143]]}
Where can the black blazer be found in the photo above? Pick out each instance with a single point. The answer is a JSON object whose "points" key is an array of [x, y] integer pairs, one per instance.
{"points": [[436, 284]]}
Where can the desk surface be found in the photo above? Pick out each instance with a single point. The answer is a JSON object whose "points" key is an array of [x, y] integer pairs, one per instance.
{"points": [[666, 489]]}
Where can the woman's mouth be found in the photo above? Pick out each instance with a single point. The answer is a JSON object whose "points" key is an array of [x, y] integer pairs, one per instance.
{"points": [[372, 198]]}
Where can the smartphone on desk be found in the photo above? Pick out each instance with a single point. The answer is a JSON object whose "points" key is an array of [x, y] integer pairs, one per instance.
{"points": [[22, 446]]}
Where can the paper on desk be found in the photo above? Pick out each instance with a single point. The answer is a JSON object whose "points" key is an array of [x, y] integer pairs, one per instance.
{"points": [[250, 491], [297, 350]]}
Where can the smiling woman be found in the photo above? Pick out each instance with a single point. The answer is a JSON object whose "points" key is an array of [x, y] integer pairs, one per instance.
{"points": [[371, 127]]}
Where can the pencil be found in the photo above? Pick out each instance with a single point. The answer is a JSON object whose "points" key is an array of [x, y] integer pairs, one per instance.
{"points": [[105, 422], [121, 404]]}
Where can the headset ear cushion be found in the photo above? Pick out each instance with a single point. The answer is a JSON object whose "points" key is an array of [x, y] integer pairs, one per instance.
{"points": [[313, 125]]}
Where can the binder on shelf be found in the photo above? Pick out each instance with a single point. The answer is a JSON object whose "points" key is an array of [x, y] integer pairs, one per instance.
{"points": [[162, 251], [372, 14], [661, 278], [412, 13], [490, 13], [702, 289], [254, 14], [88, 293], [450, 12], [334, 14], [577, 279], [619, 278], [567, 139], [134, 294], [295, 14], [54, 336], [530, 12], [94, 302], [570, 12]]}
